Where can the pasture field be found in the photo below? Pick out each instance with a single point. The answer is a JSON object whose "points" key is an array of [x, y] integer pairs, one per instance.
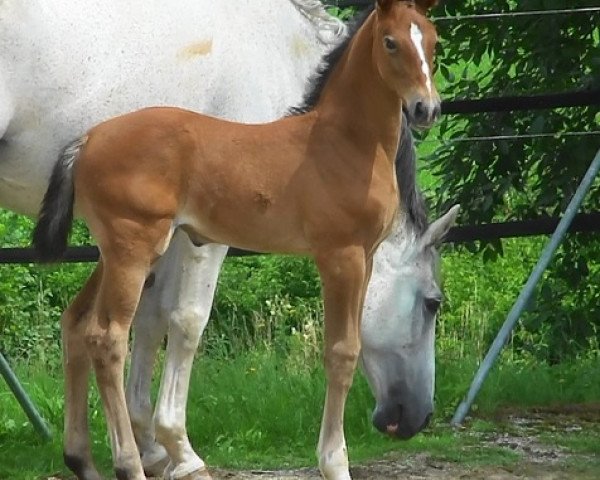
{"points": [[257, 387], [259, 411]]}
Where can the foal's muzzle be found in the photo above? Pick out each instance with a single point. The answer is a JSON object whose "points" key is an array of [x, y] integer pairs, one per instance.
{"points": [[423, 113]]}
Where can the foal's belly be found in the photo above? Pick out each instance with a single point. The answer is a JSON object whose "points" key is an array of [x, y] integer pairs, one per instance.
{"points": [[241, 227]]}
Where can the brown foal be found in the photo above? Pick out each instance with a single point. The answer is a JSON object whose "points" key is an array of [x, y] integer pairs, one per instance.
{"points": [[321, 183]]}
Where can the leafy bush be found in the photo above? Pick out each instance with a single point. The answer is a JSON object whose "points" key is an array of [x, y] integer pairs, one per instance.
{"points": [[523, 178]]}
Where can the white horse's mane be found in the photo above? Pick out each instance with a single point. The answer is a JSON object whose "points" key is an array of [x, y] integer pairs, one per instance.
{"points": [[329, 28]]}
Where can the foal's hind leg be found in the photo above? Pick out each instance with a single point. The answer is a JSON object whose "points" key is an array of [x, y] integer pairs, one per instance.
{"points": [[76, 364], [128, 250]]}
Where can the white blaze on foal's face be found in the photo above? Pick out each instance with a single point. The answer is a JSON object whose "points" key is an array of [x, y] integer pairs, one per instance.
{"points": [[417, 39]]}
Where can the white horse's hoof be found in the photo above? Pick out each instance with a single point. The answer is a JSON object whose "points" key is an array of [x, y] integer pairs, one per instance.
{"points": [[338, 476], [190, 470], [154, 464], [201, 474], [335, 473]]}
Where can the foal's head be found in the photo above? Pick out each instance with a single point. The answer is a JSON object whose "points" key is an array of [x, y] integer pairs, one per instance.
{"points": [[403, 51]]}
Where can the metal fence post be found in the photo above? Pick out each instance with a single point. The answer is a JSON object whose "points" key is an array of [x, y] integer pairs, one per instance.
{"points": [[28, 407], [527, 291]]}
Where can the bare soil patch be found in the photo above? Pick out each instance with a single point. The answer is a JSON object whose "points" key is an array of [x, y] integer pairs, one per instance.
{"points": [[420, 467], [519, 432]]}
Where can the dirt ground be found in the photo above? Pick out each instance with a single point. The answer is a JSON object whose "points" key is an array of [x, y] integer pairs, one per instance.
{"points": [[419, 467], [539, 460]]}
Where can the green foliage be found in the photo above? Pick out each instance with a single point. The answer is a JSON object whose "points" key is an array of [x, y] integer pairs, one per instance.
{"points": [[344, 14], [261, 299], [514, 179], [32, 297], [516, 56]]}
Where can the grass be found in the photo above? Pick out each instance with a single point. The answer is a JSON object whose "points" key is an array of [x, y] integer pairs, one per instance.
{"points": [[261, 409]]}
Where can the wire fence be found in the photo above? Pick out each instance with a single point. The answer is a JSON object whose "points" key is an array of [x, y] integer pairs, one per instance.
{"points": [[521, 137], [481, 16]]}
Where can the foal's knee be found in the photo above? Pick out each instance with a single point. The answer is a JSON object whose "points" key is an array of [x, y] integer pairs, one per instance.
{"points": [[340, 363]]}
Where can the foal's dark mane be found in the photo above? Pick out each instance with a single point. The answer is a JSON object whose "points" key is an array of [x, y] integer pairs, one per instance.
{"points": [[319, 79], [411, 198]]}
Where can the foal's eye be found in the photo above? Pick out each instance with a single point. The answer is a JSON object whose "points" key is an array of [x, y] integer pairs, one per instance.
{"points": [[390, 43]]}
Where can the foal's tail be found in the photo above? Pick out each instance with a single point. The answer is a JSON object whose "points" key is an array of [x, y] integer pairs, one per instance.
{"points": [[56, 213]]}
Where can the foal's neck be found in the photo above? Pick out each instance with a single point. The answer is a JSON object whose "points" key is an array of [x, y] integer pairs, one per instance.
{"points": [[356, 98]]}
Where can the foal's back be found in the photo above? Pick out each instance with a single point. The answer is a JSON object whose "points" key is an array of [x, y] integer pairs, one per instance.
{"points": [[214, 178], [281, 186]]}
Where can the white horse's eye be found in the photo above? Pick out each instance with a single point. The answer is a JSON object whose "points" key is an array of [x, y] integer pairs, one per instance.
{"points": [[390, 43], [432, 304]]}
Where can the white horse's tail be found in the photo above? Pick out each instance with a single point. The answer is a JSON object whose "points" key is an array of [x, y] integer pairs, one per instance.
{"points": [[56, 214], [330, 29]]}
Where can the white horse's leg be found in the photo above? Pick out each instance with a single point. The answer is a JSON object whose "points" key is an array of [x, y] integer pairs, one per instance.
{"points": [[176, 279], [191, 300]]}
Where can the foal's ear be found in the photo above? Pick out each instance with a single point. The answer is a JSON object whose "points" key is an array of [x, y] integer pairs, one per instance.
{"points": [[384, 5], [424, 5]]}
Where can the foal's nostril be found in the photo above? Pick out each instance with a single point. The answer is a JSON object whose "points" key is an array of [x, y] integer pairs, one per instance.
{"points": [[420, 111]]}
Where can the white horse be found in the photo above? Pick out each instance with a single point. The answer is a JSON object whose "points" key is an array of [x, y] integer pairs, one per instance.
{"points": [[65, 66]]}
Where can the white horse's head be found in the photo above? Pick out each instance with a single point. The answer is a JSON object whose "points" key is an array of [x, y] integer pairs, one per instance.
{"points": [[398, 327]]}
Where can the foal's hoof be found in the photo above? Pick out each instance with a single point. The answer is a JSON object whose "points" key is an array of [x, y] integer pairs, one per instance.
{"points": [[82, 467]]}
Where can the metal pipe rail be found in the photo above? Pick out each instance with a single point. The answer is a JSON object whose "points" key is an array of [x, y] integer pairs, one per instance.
{"points": [[582, 223], [26, 404], [527, 291]]}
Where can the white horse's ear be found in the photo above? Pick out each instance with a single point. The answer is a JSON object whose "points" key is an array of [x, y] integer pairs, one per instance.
{"points": [[435, 233]]}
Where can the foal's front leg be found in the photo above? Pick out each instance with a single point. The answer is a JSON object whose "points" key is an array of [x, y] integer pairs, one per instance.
{"points": [[344, 274]]}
